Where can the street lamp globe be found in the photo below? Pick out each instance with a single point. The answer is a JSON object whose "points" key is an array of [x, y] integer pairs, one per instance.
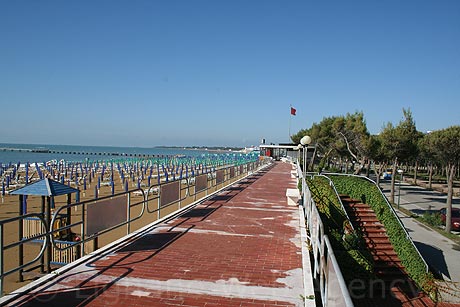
{"points": [[305, 140]]}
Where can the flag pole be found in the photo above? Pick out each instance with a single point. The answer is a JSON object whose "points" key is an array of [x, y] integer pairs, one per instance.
{"points": [[290, 115]]}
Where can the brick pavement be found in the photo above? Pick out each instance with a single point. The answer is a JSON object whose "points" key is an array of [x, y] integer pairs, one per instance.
{"points": [[241, 247]]}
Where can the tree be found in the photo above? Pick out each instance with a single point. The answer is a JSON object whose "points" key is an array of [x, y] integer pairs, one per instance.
{"points": [[444, 145], [400, 144], [352, 128], [342, 136], [377, 154], [427, 155]]}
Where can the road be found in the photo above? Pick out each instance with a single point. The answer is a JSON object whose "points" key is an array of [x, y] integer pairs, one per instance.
{"points": [[441, 253]]}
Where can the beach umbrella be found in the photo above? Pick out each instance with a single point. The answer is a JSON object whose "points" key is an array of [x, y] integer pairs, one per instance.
{"points": [[126, 186], [3, 188], [84, 184], [27, 172]]}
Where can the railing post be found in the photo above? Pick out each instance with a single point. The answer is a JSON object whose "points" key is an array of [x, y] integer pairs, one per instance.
{"points": [[1, 260], [128, 214], [20, 235], [82, 230], [48, 242]]}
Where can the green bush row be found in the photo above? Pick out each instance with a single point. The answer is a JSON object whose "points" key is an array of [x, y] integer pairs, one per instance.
{"points": [[368, 192], [354, 259]]}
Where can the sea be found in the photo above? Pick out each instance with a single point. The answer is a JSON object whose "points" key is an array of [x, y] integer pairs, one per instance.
{"points": [[41, 153]]}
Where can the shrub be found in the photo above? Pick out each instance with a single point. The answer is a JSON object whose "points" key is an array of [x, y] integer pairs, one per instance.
{"points": [[354, 260], [432, 219], [361, 188]]}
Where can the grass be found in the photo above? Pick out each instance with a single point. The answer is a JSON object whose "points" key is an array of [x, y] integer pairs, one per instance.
{"points": [[419, 218]]}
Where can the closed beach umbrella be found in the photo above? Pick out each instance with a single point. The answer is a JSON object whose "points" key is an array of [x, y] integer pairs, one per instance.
{"points": [[27, 172]]}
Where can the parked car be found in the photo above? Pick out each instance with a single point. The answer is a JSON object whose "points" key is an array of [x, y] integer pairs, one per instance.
{"points": [[386, 175], [455, 217]]}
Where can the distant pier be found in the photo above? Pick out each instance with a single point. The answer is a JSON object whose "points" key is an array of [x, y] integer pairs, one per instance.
{"points": [[48, 151]]}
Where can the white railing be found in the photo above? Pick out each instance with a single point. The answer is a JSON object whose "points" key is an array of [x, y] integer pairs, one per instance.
{"points": [[326, 271]]}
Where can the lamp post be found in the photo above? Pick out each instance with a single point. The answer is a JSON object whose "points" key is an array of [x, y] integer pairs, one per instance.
{"points": [[400, 171], [298, 148], [305, 141]]}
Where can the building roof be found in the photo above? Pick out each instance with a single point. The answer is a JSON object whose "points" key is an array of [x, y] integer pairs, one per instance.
{"points": [[45, 187]]}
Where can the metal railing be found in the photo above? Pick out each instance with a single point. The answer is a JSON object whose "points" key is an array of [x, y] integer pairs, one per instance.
{"points": [[331, 184], [326, 271], [159, 196], [43, 236]]}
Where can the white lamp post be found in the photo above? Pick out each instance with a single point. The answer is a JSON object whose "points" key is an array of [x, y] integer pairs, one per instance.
{"points": [[298, 148], [304, 142]]}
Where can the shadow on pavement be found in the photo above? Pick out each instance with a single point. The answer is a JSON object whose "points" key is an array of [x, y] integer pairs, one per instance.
{"points": [[434, 258]]}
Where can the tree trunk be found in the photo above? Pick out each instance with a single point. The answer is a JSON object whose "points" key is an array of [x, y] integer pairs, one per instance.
{"points": [[379, 171], [450, 172], [368, 167], [415, 172], [393, 176], [430, 176]]}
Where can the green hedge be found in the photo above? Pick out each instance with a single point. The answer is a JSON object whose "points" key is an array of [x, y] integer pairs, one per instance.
{"points": [[354, 259], [368, 192]]}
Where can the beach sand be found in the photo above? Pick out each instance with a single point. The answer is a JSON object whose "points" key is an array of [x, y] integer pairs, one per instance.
{"points": [[9, 208]]}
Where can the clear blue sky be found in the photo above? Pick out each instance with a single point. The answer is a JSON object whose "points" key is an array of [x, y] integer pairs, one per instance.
{"points": [[192, 72]]}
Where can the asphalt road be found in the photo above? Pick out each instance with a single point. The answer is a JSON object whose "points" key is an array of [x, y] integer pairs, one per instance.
{"points": [[441, 253]]}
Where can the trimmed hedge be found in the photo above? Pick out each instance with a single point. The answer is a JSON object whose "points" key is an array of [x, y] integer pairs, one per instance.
{"points": [[369, 193], [354, 259]]}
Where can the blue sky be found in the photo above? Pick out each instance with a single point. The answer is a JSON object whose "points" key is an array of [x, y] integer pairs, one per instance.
{"points": [[221, 73]]}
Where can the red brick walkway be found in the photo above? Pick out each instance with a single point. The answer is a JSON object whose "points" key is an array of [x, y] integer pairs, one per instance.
{"points": [[241, 247]]}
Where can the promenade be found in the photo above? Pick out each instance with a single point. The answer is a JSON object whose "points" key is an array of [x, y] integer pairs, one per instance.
{"points": [[240, 247]]}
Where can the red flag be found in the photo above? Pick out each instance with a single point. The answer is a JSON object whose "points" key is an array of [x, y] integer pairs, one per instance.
{"points": [[293, 111]]}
